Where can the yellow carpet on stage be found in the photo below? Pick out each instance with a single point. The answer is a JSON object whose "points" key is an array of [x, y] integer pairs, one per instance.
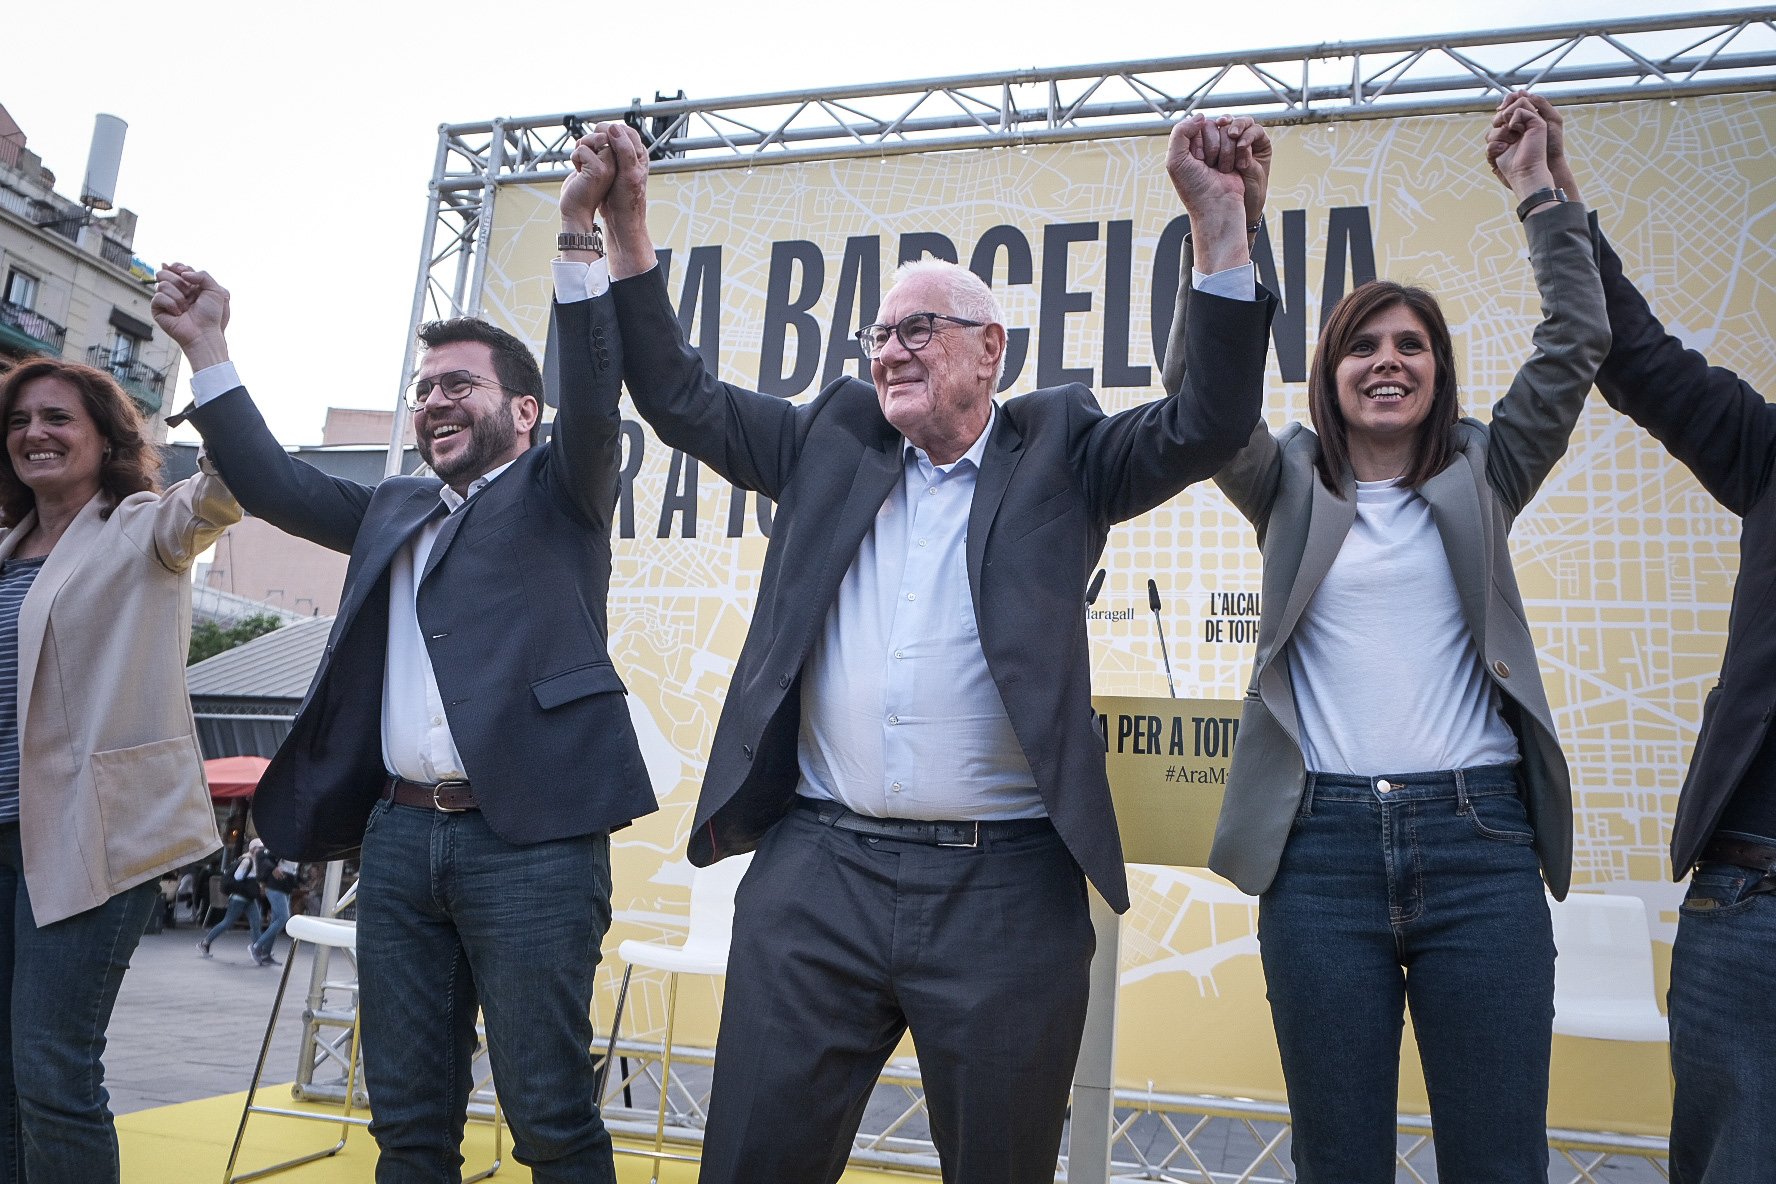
{"points": [[189, 1143]]}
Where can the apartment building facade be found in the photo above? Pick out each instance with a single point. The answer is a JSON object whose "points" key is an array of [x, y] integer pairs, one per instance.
{"points": [[71, 285]]}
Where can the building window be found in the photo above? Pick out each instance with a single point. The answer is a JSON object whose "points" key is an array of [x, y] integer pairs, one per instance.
{"points": [[21, 289], [125, 350]]}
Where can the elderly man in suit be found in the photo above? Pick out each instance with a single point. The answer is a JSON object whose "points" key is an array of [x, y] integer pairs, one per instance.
{"points": [[1722, 1008], [466, 724], [908, 740]]}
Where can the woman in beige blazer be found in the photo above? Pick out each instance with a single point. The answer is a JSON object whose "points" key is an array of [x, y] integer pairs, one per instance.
{"points": [[1397, 793], [101, 782]]}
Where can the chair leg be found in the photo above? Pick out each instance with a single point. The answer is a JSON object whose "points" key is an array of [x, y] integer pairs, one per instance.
{"points": [[499, 1139], [665, 1074], [228, 1173], [277, 1005], [610, 1047]]}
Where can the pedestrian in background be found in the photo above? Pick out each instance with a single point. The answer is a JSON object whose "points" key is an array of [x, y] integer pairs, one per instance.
{"points": [[242, 883], [277, 879]]}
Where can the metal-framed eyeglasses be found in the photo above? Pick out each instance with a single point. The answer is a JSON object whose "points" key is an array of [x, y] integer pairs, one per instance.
{"points": [[913, 330], [456, 384]]}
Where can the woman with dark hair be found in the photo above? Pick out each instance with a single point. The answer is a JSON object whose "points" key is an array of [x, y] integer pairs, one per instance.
{"points": [[101, 782], [1397, 794]]}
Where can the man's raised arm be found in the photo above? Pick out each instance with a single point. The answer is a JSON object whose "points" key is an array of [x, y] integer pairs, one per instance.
{"points": [[749, 438], [583, 365]]}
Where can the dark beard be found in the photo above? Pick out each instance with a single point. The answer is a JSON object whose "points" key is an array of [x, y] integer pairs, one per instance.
{"points": [[490, 438]]}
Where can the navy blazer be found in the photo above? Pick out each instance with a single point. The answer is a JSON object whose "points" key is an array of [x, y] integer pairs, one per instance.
{"points": [[1723, 430], [511, 605], [1057, 474]]}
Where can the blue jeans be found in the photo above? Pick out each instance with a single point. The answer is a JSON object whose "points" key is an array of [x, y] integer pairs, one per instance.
{"points": [[1723, 1028], [280, 916], [452, 917], [57, 988], [236, 906], [1428, 895]]}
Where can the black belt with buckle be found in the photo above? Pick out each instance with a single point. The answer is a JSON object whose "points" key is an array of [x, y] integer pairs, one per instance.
{"points": [[1757, 857], [932, 833], [452, 797]]}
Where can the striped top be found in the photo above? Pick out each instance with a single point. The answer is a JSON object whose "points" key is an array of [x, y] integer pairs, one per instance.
{"points": [[16, 577]]}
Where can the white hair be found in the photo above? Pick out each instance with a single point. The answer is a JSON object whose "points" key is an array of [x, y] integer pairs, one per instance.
{"points": [[969, 295]]}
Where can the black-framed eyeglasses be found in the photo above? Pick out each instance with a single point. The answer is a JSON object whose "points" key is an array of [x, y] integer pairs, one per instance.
{"points": [[914, 331], [456, 384]]}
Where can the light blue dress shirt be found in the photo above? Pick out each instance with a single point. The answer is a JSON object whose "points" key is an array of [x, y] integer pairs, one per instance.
{"points": [[900, 715]]}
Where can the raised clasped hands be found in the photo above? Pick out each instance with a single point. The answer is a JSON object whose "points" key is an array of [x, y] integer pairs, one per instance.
{"points": [[1519, 144], [192, 309], [1221, 170], [585, 188], [625, 203], [1559, 164]]}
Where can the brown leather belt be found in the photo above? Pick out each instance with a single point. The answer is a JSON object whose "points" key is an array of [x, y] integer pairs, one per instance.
{"points": [[452, 797], [1756, 857]]}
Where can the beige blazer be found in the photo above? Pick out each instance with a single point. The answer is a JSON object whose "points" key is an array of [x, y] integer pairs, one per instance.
{"points": [[1497, 469], [111, 785]]}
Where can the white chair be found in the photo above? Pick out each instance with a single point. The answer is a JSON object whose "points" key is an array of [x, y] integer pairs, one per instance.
{"points": [[704, 951], [337, 934], [1603, 979]]}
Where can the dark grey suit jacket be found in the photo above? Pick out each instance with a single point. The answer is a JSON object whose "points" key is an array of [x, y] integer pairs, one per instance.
{"points": [[1496, 471], [512, 607], [1057, 474], [1712, 421]]}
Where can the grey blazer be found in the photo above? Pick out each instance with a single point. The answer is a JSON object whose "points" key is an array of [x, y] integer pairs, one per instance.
{"points": [[1497, 469]]}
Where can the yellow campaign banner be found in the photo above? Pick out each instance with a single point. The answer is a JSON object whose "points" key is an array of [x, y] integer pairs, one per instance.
{"points": [[1167, 762], [1626, 565]]}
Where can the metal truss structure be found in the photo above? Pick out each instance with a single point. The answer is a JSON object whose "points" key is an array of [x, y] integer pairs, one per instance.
{"points": [[1651, 57]]}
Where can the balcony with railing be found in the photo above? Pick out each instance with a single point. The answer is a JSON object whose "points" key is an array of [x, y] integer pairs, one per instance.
{"points": [[65, 219], [29, 330], [142, 382]]}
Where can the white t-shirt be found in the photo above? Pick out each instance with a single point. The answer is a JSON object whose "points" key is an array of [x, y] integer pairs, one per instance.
{"points": [[1387, 677]]}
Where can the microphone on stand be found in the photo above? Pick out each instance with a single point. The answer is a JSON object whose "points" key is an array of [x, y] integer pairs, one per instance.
{"points": [[1153, 603], [1092, 589]]}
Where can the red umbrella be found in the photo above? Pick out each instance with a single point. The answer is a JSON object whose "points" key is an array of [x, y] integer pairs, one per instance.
{"points": [[234, 776]]}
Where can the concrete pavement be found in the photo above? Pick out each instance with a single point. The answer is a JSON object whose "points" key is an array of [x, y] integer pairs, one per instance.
{"points": [[189, 1027]]}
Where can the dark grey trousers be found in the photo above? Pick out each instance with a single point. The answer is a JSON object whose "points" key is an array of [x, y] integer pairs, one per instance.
{"points": [[841, 944]]}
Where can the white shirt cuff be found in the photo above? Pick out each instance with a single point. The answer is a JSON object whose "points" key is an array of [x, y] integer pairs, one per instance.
{"points": [[211, 381], [1236, 283], [576, 280]]}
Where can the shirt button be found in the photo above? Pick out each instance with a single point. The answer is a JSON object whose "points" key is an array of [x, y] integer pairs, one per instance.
{"points": [[912, 596], [921, 542], [894, 719], [899, 654], [931, 491], [895, 787]]}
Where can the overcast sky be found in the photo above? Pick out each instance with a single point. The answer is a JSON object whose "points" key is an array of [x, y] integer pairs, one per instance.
{"points": [[287, 149]]}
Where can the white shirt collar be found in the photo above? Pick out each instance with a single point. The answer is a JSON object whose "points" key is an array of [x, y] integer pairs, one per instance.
{"points": [[453, 500]]}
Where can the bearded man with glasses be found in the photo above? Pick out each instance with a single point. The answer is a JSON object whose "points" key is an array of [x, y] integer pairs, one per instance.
{"points": [[908, 739], [465, 726]]}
